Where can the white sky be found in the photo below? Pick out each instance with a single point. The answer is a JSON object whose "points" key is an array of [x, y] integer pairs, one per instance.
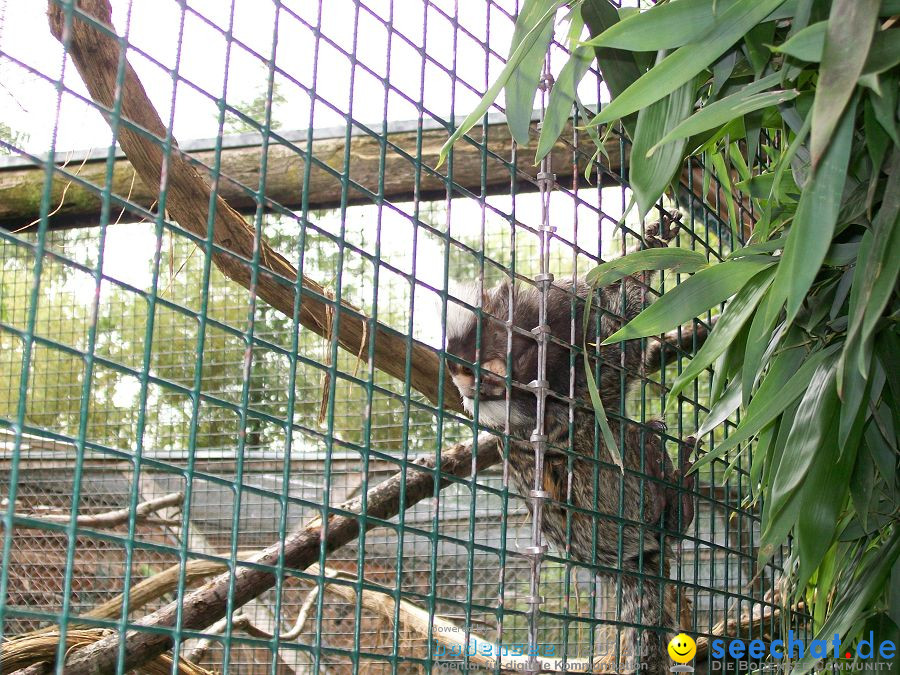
{"points": [[28, 101]]}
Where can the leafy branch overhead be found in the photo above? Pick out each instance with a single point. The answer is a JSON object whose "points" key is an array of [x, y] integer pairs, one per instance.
{"points": [[793, 106]]}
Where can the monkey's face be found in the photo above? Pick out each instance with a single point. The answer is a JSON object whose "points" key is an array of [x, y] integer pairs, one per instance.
{"points": [[479, 369], [480, 372], [492, 374]]}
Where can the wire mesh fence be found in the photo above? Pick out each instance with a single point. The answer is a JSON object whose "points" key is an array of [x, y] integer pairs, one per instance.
{"points": [[132, 368]]}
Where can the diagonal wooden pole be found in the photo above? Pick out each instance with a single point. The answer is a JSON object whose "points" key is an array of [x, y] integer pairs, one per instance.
{"points": [[96, 55]]}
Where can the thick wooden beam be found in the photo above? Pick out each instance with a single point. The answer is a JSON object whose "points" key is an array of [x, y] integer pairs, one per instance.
{"points": [[22, 178]]}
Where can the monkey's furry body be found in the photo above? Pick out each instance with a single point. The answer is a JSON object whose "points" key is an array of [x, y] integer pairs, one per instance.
{"points": [[608, 525]]}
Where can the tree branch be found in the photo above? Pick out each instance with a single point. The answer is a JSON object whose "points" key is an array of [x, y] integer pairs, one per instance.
{"points": [[113, 518], [239, 622]]}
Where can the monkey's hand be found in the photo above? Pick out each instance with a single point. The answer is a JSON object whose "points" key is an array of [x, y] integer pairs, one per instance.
{"points": [[659, 468], [669, 486], [659, 234], [687, 482]]}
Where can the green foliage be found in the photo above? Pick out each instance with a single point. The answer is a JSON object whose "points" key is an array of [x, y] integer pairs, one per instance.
{"points": [[792, 105], [526, 39], [564, 94], [706, 289], [674, 259], [255, 109], [534, 25], [649, 177], [10, 138]]}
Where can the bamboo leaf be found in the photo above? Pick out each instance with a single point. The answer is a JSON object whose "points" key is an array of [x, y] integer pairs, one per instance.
{"points": [[650, 177], [707, 288], [777, 529], [856, 308], [841, 254], [851, 27], [688, 61], [723, 175], [724, 406], [724, 111], [676, 259], [794, 150], [882, 278], [562, 98], [523, 81], [769, 246], [599, 410], [800, 20], [874, 279], [814, 223], [665, 26], [854, 415], [884, 105], [618, 67], [884, 456], [868, 583], [822, 494], [756, 40], [721, 111], [762, 454], [728, 366], [877, 139], [884, 52], [862, 484], [721, 71], [669, 25], [810, 436], [602, 420], [491, 95], [730, 323], [770, 406], [807, 44]]}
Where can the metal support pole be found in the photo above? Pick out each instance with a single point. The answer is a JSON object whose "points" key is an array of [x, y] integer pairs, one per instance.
{"points": [[540, 387]]}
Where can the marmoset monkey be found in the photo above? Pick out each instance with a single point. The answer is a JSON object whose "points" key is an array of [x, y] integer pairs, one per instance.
{"points": [[638, 498]]}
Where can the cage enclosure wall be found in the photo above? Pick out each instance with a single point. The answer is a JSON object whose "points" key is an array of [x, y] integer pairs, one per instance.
{"points": [[225, 311]]}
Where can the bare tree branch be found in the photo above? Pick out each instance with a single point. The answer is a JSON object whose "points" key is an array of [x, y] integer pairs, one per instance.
{"points": [[445, 634], [28, 654], [302, 615], [239, 622], [142, 513]]}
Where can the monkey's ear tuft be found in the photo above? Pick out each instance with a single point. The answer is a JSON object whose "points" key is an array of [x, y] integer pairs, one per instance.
{"points": [[461, 320], [466, 292], [499, 298]]}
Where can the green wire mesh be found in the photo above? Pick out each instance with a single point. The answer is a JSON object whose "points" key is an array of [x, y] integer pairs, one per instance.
{"points": [[132, 369]]}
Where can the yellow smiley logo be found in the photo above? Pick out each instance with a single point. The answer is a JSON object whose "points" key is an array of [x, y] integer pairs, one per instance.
{"points": [[682, 648]]}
